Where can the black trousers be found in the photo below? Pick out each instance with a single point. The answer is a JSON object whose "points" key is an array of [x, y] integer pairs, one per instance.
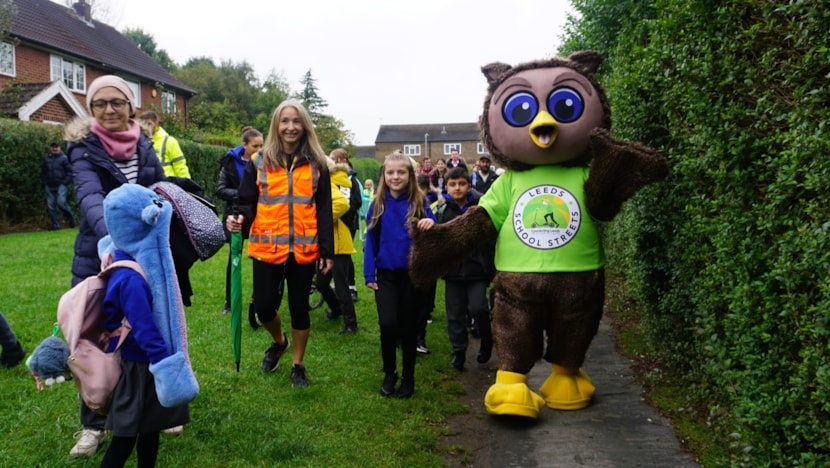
{"points": [[397, 303], [339, 300]]}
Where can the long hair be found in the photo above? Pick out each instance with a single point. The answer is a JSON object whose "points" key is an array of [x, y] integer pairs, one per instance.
{"points": [[414, 194], [309, 144]]}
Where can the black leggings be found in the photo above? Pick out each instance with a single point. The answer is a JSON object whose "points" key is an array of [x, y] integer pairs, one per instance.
{"points": [[268, 290], [397, 303], [120, 448]]}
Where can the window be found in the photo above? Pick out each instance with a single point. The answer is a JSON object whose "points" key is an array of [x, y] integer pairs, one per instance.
{"points": [[448, 147], [168, 102], [7, 58], [412, 150], [73, 74], [480, 149], [136, 87]]}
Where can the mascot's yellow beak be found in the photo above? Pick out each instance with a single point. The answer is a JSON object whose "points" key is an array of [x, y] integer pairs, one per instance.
{"points": [[543, 130]]}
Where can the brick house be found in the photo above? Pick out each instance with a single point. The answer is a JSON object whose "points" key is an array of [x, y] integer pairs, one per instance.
{"points": [[52, 52], [433, 140]]}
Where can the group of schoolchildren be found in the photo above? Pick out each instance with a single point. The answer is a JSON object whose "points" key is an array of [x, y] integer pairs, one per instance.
{"points": [[382, 220]]}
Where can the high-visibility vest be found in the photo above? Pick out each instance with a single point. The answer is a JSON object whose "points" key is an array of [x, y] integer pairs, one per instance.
{"points": [[286, 216]]}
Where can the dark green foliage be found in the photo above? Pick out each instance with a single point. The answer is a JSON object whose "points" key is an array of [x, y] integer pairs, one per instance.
{"points": [[729, 258], [203, 163], [367, 168], [23, 146]]}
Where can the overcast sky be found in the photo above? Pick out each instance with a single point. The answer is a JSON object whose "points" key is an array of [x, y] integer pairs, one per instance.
{"points": [[375, 61]]}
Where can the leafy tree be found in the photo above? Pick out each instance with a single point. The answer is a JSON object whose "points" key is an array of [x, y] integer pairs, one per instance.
{"points": [[148, 45], [275, 89], [227, 93]]}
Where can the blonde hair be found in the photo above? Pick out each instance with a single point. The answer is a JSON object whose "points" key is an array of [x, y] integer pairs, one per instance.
{"points": [[309, 144], [414, 194]]}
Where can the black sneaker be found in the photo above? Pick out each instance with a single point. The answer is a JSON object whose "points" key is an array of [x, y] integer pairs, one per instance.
{"points": [[298, 377], [388, 387], [12, 356], [407, 388], [273, 354]]}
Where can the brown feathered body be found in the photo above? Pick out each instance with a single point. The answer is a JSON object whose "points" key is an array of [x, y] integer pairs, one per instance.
{"points": [[550, 113]]}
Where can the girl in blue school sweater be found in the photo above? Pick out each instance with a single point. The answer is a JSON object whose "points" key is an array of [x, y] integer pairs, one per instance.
{"points": [[136, 417], [385, 267]]}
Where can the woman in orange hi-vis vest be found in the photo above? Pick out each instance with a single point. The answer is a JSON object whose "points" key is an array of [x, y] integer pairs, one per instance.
{"points": [[285, 202]]}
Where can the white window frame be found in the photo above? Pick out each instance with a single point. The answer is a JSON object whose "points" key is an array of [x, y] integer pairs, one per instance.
{"points": [[136, 87], [73, 74], [7, 59], [412, 150], [168, 102], [480, 148], [448, 147]]}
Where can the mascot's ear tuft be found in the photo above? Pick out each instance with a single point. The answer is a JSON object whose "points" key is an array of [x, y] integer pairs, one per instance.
{"points": [[588, 60], [493, 71], [150, 214]]}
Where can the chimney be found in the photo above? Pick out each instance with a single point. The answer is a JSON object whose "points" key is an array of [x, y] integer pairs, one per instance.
{"points": [[83, 10]]}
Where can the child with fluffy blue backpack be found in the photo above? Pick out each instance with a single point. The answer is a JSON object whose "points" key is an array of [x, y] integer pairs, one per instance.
{"points": [[156, 381]]}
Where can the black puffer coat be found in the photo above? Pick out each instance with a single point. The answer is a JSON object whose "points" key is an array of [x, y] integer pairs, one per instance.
{"points": [[95, 176]]}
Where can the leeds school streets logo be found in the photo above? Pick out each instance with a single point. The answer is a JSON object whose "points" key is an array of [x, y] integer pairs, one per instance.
{"points": [[546, 217]]}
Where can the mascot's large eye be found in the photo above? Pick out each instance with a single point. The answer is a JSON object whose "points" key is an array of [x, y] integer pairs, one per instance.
{"points": [[520, 109], [158, 202], [565, 105]]}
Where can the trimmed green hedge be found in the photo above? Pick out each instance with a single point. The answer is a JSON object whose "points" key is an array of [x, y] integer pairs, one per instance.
{"points": [[23, 145], [730, 257]]}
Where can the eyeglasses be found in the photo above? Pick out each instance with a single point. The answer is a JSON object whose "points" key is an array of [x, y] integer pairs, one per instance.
{"points": [[116, 104]]}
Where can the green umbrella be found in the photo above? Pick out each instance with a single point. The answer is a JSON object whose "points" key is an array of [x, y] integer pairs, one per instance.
{"points": [[236, 293]]}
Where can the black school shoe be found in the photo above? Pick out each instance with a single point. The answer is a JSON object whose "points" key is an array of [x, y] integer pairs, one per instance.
{"points": [[485, 351], [388, 387], [458, 359], [407, 388], [12, 356]]}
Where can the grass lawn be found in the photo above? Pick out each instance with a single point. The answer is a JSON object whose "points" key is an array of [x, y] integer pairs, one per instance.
{"points": [[249, 418]]}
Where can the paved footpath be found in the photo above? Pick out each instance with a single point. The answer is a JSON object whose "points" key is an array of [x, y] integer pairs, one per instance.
{"points": [[618, 429]]}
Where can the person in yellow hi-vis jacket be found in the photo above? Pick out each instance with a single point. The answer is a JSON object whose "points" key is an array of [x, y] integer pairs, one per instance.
{"points": [[167, 148]]}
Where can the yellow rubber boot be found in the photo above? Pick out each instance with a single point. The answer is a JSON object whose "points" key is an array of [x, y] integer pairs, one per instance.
{"points": [[567, 389], [511, 396]]}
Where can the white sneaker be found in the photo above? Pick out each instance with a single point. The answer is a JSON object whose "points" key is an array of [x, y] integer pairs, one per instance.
{"points": [[88, 440], [177, 430]]}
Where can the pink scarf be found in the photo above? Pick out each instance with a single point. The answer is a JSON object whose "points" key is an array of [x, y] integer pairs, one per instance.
{"points": [[119, 145]]}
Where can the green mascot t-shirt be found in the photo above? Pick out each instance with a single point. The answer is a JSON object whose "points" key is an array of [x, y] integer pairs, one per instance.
{"points": [[542, 221]]}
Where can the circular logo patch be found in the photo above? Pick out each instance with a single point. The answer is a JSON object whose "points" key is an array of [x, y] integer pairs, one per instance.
{"points": [[546, 217]]}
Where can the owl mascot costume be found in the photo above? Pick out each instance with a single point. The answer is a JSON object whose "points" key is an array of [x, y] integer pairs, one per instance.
{"points": [[546, 122]]}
